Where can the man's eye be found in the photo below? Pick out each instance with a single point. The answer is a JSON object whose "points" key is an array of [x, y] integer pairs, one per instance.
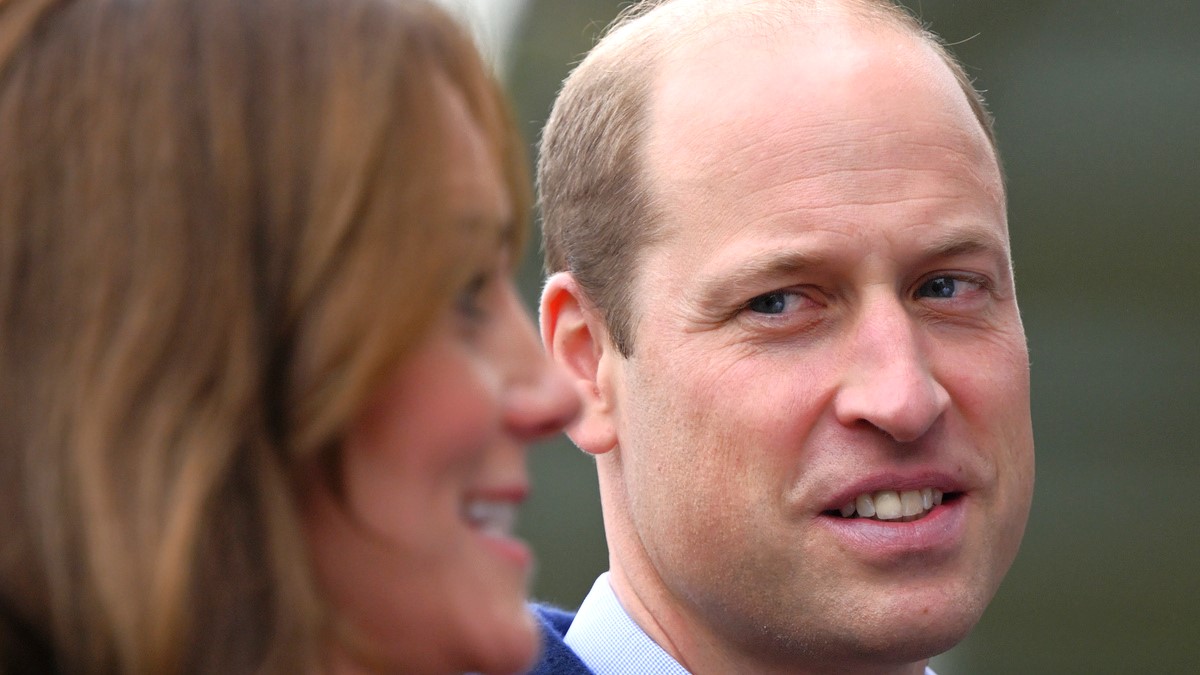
{"points": [[769, 303], [938, 287], [952, 287]]}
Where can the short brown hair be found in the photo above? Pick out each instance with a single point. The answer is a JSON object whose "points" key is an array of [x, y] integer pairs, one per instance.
{"points": [[219, 230], [598, 213]]}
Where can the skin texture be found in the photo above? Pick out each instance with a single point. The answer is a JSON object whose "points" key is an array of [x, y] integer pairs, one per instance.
{"points": [[418, 586], [830, 311]]}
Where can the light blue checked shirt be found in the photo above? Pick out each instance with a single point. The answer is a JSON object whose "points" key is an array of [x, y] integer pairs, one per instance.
{"points": [[610, 643]]}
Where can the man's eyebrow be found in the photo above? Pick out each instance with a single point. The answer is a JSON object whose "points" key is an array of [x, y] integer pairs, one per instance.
{"points": [[751, 273], [969, 241], [755, 273]]}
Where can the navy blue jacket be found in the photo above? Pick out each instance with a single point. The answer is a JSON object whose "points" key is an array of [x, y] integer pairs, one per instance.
{"points": [[557, 657]]}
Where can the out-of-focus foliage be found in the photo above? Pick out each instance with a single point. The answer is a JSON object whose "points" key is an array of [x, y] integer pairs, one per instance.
{"points": [[1098, 115]]}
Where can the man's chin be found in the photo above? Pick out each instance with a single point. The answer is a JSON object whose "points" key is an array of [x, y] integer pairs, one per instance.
{"points": [[912, 637], [876, 637]]}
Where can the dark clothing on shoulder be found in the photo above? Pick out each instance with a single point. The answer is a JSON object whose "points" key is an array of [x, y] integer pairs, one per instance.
{"points": [[557, 658]]}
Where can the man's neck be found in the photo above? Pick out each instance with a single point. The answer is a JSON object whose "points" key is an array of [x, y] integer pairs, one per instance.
{"points": [[698, 649]]}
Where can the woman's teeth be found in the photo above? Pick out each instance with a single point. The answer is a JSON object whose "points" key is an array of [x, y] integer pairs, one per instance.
{"points": [[893, 504], [493, 517]]}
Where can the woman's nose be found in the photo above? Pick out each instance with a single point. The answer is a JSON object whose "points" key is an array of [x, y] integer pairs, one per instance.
{"points": [[539, 400], [543, 406]]}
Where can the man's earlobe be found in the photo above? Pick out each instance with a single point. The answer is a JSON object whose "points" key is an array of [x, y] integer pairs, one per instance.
{"points": [[577, 340]]}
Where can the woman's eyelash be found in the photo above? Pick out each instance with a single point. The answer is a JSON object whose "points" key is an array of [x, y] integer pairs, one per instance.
{"points": [[470, 300]]}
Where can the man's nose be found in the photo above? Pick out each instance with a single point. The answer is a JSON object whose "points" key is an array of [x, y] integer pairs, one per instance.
{"points": [[888, 382]]}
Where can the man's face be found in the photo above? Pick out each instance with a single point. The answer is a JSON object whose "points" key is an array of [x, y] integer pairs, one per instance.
{"points": [[830, 318]]}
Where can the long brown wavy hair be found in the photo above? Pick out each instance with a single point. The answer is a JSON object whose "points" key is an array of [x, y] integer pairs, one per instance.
{"points": [[218, 232]]}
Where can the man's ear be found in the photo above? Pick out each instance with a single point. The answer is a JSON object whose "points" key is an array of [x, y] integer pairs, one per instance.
{"points": [[577, 340]]}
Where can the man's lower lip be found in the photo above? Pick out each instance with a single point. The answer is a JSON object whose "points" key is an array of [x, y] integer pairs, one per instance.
{"points": [[940, 531]]}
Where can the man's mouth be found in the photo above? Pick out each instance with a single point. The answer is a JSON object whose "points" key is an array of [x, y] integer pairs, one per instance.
{"points": [[494, 517], [893, 505]]}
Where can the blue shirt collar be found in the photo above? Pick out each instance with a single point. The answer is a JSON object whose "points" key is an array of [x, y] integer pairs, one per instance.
{"points": [[610, 643]]}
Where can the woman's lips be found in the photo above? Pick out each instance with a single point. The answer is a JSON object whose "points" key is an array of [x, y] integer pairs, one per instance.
{"points": [[496, 517], [493, 517]]}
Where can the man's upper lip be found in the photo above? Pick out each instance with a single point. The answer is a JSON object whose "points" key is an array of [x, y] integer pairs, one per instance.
{"points": [[895, 480]]}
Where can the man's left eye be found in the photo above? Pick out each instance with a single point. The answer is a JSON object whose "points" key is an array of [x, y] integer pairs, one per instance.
{"points": [[938, 287], [769, 303]]}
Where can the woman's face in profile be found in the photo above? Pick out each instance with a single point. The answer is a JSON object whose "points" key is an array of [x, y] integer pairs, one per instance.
{"points": [[418, 557]]}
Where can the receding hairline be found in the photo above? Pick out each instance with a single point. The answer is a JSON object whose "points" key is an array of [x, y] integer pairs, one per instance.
{"points": [[672, 23], [656, 31]]}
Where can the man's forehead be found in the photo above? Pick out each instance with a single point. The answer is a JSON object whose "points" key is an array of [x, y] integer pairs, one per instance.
{"points": [[723, 102], [726, 73], [850, 124]]}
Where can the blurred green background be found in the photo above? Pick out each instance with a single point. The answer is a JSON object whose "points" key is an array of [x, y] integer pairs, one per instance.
{"points": [[1098, 115]]}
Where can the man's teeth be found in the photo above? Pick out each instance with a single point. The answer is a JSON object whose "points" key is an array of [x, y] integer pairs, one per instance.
{"points": [[893, 504], [499, 518]]}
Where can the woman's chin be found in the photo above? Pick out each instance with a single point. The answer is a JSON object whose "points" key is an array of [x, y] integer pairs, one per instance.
{"points": [[508, 647]]}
